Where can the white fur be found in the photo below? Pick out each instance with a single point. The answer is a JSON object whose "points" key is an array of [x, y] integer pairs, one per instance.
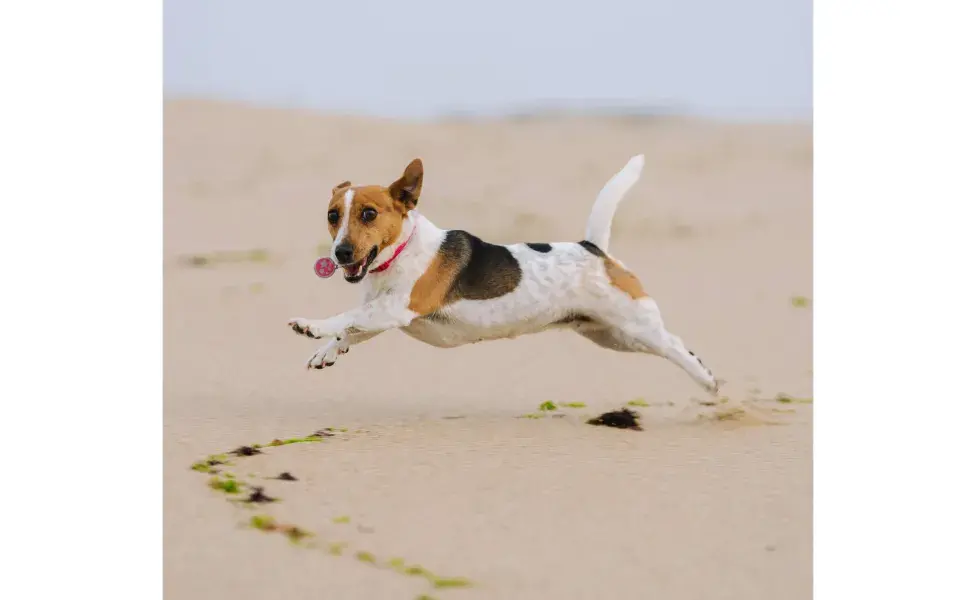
{"points": [[566, 281], [601, 216], [341, 233]]}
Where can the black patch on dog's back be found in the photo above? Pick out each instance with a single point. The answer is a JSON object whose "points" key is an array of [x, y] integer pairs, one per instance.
{"points": [[539, 247], [592, 248], [486, 270]]}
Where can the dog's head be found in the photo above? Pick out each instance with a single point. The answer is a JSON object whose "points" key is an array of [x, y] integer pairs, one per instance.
{"points": [[364, 220]]}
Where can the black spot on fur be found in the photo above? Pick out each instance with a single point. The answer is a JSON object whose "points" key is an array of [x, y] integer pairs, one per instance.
{"points": [[592, 248], [539, 247], [488, 270]]}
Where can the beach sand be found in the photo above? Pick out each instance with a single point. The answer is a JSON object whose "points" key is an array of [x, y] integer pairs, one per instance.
{"points": [[435, 468]]}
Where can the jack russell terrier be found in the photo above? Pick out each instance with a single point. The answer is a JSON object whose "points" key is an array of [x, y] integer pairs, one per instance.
{"points": [[448, 288]]}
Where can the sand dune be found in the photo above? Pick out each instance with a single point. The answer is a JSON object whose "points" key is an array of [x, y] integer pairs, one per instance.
{"points": [[435, 467]]}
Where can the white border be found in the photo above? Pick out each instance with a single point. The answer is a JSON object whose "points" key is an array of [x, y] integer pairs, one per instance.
{"points": [[81, 189], [894, 318]]}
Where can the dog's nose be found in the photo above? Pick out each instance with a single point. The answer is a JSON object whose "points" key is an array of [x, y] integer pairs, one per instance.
{"points": [[343, 253]]}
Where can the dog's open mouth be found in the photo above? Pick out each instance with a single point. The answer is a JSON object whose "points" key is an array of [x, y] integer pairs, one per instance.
{"points": [[355, 272]]}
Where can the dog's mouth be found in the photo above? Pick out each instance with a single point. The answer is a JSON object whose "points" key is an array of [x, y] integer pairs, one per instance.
{"points": [[355, 272]]}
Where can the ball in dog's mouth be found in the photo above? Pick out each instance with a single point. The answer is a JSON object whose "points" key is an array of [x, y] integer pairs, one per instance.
{"points": [[355, 272]]}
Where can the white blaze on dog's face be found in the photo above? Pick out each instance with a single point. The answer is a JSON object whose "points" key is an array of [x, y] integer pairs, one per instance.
{"points": [[364, 220]]}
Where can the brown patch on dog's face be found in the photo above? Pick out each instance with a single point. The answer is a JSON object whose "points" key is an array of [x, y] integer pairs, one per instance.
{"points": [[622, 279], [370, 218]]}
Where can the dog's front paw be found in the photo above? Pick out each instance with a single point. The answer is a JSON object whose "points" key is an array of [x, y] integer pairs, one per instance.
{"points": [[327, 355], [306, 327]]}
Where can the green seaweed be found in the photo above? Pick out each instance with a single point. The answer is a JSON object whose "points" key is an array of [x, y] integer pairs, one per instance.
{"points": [[547, 406], [417, 570], [787, 399], [228, 483], [573, 404], [256, 255], [800, 301], [263, 523], [638, 402], [295, 533], [450, 582], [302, 440], [228, 486], [532, 416]]}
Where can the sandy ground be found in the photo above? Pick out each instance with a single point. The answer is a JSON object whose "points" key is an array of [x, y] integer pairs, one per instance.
{"points": [[435, 467]]}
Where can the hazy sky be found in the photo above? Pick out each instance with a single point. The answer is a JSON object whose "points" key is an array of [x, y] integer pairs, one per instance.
{"points": [[416, 58]]}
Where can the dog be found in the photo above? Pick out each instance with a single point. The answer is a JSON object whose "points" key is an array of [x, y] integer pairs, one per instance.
{"points": [[447, 288]]}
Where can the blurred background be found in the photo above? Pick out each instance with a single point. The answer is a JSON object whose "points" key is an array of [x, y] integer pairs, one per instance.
{"points": [[521, 111], [750, 59]]}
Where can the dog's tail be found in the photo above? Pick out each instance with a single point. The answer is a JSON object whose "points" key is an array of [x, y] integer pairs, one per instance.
{"points": [[601, 216]]}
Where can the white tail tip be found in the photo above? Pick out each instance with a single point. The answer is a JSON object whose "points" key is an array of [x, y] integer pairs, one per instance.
{"points": [[601, 215], [635, 164]]}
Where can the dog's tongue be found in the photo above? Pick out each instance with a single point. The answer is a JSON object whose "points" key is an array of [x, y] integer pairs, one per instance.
{"points": [[325, 267], [356, 269]]}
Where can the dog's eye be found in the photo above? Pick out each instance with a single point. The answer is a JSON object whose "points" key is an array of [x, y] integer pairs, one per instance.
{"points": [[368, 215], [333, 216]]}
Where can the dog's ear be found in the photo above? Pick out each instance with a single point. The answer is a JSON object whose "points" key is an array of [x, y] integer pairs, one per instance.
{"points": [[344, 184], [407, 188]]}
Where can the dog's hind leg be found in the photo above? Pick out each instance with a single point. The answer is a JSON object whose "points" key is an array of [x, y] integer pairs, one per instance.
{"points": [[638, 327]]}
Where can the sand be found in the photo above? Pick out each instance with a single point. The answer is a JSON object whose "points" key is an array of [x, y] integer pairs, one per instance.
{"points": [[435, 466]]}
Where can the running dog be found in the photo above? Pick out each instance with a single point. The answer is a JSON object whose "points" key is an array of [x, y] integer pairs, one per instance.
{"points": [[448, 287]]}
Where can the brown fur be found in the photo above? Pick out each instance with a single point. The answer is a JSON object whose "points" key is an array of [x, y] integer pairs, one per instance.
{"points": [[432, 289], [407, 188], [465, 268], [622, 279], [390, 203]]}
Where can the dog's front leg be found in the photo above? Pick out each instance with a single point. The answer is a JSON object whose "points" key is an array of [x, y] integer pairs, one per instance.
{"points": [[327, 355], [388, 312]]}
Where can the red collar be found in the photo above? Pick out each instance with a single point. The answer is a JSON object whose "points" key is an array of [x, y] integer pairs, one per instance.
{"points": [[396, 253]]}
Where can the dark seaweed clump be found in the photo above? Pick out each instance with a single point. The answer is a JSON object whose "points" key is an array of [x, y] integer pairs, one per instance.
{"points": [[246, 451], [621, 419], [258, 496]]}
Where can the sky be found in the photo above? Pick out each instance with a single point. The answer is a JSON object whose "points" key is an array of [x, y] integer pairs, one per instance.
{"points": [[732, 59]]}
